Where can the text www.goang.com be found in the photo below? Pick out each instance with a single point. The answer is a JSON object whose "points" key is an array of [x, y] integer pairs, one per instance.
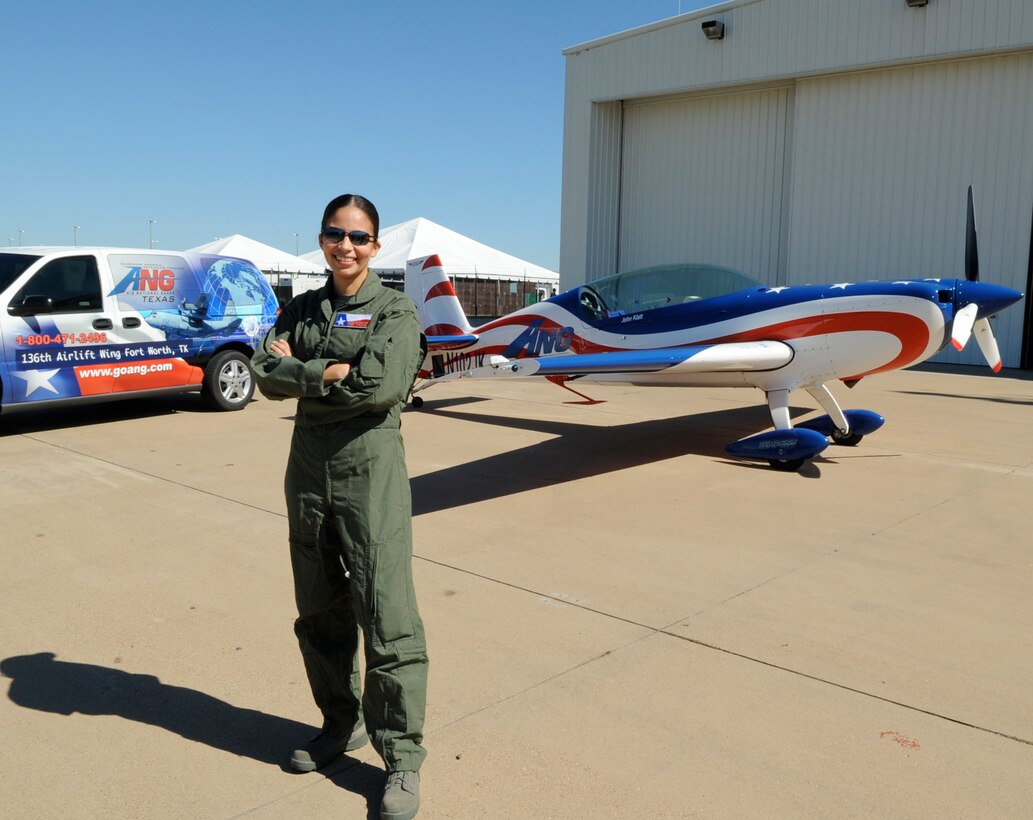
{"points": [[125, 370]]}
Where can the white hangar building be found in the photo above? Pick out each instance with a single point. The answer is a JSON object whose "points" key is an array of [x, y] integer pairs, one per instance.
{"points": [[808, 141]]}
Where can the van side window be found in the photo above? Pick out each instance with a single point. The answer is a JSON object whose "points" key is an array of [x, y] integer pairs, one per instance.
{"points": [[71, 283]]}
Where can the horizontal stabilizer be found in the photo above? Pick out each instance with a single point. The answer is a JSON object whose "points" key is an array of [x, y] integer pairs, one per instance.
{"points": [[456, 342]]}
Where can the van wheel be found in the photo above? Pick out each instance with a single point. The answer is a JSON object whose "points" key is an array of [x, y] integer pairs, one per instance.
{"points": [[228, 383]]}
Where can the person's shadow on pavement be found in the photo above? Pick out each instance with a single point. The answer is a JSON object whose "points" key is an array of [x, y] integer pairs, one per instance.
{"points": [[44, 683]]}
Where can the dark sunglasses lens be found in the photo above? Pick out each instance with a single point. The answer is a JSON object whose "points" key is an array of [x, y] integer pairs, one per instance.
{"points": [[338, 235]]}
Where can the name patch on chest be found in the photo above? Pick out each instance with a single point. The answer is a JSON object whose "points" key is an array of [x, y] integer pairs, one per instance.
{"points": [[353, 320]]}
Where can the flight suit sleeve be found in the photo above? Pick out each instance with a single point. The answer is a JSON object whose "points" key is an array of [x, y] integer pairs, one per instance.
{"points": [[287, 377], [384, 372]]}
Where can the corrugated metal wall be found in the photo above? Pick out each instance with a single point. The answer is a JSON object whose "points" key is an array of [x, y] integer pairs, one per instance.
{"points": [[881, 163], [604, 197], [702, 180]]}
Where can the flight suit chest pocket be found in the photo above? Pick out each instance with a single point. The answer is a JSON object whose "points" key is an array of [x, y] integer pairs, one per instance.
{"points": [[348, 335]]}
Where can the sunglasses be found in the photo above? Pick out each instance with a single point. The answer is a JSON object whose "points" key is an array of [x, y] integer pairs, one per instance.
{"points": [[337, 235]]}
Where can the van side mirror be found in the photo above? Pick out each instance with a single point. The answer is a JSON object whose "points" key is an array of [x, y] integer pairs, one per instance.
{"points": [[31, 305]]}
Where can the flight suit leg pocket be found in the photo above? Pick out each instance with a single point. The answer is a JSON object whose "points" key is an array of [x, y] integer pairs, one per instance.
{"points": [[392, 599]]}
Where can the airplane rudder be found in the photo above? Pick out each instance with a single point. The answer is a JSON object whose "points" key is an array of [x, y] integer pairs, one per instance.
{"points": [[428, 285]]}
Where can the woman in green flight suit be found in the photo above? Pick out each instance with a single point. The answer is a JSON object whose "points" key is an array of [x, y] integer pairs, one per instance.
{"points": [[349, 353]]}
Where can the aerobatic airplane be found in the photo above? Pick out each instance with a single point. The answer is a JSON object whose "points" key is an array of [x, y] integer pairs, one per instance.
{"points": [[705, 326]]}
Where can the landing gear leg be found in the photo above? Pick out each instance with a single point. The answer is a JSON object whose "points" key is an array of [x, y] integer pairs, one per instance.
{"points": [[778, 406], [841, 433]]}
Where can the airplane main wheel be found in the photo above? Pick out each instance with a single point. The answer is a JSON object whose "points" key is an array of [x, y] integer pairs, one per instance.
{"points": [[790, 465], [848, 440], [228, 381]]}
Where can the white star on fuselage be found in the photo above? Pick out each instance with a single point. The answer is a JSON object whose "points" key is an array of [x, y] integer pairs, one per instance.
{"points": [[779, 289], [36, 379], [841, 286]]}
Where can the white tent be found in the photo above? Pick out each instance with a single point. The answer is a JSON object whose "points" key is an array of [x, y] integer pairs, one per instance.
{"points": [[460, 255], [264, 257]]}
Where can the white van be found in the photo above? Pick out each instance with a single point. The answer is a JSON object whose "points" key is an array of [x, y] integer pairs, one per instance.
{"points": [[95, 324]]}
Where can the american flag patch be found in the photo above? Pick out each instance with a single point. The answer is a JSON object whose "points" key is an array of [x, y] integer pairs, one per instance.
{"points": [[354, 320]]}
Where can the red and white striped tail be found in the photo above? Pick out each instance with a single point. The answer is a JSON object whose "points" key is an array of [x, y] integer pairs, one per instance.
{"points": [[427, 284]]}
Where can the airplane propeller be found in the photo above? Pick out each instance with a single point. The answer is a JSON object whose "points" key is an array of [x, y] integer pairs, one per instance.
{"points": [[971, 245], [988, 344], [967, 319], [964, 319]]}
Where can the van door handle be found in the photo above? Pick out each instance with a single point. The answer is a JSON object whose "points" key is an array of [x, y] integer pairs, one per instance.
{"points": [[131, 321], [102, 324]]}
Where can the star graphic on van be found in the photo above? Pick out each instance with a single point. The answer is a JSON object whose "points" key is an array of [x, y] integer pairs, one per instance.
{"points": [[36, 379]]}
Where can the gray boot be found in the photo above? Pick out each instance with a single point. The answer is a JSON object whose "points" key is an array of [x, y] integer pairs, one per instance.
{"points": [[401, 796], [327, 746]]}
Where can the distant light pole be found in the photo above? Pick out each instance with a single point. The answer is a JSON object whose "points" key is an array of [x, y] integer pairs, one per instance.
{"points": [[297, 250], [75, 239], [20, 232], [10, 241], [150, 232]]}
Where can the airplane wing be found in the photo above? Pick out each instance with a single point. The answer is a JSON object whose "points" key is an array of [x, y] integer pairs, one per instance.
{"points": [[457, 342], [727, 357]]}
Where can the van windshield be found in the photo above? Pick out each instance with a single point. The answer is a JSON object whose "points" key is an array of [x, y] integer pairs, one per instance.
{"points": [[13, 265]]}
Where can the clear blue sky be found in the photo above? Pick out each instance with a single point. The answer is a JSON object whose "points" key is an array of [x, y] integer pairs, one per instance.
{"points": [[217, 117]]}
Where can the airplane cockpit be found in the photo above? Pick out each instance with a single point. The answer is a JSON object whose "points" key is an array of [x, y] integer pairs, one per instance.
{"points": [[658, 286]]}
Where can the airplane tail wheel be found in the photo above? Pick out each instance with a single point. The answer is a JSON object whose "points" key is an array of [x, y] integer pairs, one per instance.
{"points": [[417, 402]]}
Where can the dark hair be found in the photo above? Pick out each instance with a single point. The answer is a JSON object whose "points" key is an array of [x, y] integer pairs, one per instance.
{"points": [[357, 201]]}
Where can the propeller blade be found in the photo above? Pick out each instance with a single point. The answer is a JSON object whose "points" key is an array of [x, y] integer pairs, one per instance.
{"points": [[988, 344], [962, 327], [971, 248]]}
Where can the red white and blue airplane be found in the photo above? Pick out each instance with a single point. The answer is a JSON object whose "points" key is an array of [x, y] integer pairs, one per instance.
{"points": [[706, 326]]}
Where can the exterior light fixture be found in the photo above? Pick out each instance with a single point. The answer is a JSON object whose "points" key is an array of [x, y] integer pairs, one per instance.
{"points": [[917, 4], [714, 29]]}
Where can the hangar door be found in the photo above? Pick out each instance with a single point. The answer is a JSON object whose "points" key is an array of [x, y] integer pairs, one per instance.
{"points": [[884, 159], [703, 180]]}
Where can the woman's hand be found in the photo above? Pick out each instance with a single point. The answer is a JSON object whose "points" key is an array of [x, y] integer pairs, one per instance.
{"points": [[336, 372], [280, 348]]}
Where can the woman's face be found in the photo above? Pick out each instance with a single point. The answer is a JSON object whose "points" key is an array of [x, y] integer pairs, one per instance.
{"points": [[349, 263]]}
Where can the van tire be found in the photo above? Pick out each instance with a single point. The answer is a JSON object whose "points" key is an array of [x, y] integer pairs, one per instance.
{"points": [[229, 382]]}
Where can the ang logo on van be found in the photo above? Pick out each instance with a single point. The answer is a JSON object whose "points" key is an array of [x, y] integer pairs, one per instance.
{"points": [[142, 279]]}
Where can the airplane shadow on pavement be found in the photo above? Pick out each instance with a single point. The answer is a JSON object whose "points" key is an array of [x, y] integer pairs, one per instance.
{"points": [[578, 451], [46, 684]]}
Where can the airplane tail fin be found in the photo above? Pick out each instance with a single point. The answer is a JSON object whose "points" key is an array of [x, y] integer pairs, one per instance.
{"points": [[428, 286]]}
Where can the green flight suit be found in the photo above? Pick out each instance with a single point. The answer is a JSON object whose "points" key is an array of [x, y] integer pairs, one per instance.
{"points": [[349, 507]]}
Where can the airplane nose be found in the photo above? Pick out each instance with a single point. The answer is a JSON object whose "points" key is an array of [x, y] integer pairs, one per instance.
{"points": [[988, 298]]}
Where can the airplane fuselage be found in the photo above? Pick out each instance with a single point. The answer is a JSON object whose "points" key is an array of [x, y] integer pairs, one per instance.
{"points": [[841, 331]]}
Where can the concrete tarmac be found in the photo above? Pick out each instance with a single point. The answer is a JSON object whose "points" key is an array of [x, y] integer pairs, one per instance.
{"points": [[622, 622]]}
